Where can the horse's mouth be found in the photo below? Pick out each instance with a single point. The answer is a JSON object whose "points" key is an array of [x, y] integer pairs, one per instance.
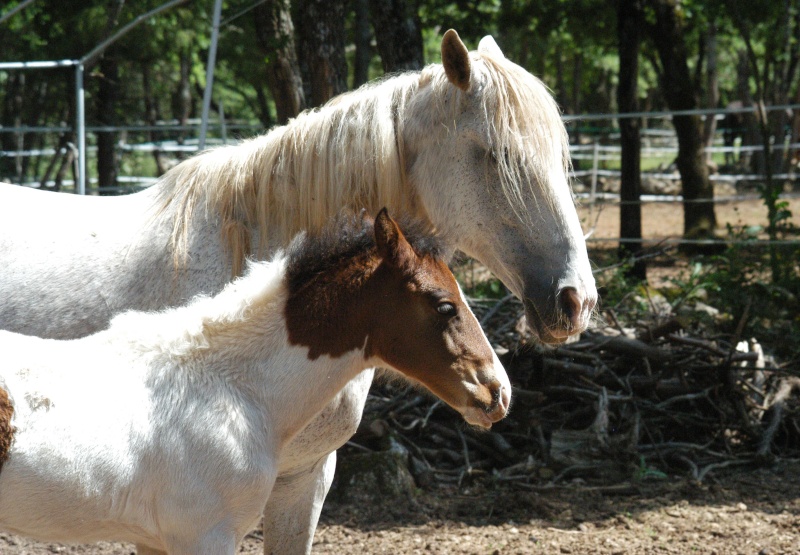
{"points": [[551, 334], [477, 416], [484, 416]]}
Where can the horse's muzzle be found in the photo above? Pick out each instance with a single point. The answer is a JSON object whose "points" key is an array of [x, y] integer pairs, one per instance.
{"points": [[568, 316], [486, 414]]}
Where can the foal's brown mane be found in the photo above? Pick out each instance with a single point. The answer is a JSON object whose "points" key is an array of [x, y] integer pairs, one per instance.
{"points": [[350, 236], [331, 293]]}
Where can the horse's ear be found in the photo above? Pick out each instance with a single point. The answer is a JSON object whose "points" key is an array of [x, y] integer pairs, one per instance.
{"points": [[455, 59], [392, 244], [489, 46]]}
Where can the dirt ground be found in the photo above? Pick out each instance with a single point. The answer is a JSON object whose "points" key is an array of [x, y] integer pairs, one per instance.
{"points": [[665, 219], [748, 512]]}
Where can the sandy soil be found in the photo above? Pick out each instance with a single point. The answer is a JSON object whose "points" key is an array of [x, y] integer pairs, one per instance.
{"points": [[665, 219], [754, 512]]}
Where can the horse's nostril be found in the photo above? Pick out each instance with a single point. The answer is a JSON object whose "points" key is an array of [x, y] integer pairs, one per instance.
{"points": [[571, 304]]}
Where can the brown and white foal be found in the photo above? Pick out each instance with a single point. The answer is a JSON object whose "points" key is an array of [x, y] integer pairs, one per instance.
{"points": [[179, 452]]}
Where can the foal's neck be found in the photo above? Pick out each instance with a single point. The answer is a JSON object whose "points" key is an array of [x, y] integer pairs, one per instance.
{"points": [[333, 312], [328, 317]]}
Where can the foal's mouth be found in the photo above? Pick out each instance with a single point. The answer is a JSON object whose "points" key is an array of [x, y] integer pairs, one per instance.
{"points": [[483, 414]]}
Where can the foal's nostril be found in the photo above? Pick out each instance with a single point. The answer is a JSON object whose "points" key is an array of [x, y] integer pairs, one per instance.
{"points": [[571, 304], [500, 400]]}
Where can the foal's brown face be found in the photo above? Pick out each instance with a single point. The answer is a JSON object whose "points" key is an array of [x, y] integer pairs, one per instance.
{"points": [[425, 330]]}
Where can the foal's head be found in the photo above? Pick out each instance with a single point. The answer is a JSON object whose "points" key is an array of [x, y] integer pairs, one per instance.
{"points": [[399, 301]]}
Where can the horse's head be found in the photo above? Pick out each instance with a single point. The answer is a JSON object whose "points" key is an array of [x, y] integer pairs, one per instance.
{"points": [[425, 330], [488, 154]]}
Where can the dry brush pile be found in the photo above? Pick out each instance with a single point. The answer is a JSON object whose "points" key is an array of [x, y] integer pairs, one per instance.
{"points": [[618, 405]]}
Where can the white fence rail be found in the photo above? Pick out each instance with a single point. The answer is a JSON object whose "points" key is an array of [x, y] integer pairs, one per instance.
{"points": [[595, 162]]}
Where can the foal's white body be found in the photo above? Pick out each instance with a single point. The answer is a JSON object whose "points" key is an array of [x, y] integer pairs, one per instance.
{"points": [[203, 429], [421, 144], [181, 450]]}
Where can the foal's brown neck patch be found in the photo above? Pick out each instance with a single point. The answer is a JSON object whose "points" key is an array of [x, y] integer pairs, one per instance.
{"points": [[331, 279], [327, 314], [6, 429]]}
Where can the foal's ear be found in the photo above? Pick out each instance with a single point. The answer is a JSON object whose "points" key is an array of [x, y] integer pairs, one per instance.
{"points": [[392, 244], [455, 59]]}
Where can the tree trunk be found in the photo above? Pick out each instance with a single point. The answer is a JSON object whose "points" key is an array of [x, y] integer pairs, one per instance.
{"points": [[629, 25], [745, 123], [275, 33], [363, 39], [398, 35], [320, 31], [699, 220], [712, 90], [11, 113], [577, 79], [182, 99], [107, 97], [151, 116]]}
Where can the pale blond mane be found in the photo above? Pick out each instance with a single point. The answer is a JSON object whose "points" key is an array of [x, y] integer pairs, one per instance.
{"points": [[525, 121], [349, 154]]}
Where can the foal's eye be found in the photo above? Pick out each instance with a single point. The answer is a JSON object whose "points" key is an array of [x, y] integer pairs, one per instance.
{"points": [[446, 309]]}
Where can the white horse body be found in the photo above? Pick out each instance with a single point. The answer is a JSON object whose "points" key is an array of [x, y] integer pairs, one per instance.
{"points": [[440, 147], [180, 451]]}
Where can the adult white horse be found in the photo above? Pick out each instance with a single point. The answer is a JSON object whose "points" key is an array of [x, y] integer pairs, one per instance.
{"points": [[474, 146]]}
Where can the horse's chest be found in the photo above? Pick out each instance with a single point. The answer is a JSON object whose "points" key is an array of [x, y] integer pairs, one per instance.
{"points": [[330, 428]]}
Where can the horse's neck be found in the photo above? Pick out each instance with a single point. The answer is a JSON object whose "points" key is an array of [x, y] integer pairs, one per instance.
{"points": [[288, 386], [304, 387]]}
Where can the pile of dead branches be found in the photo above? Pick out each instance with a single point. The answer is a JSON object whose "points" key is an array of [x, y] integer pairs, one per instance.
{"points": [[617, 405]]}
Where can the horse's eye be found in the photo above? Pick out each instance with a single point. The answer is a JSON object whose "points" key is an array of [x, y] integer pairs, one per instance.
{"points": [[446, 309]]}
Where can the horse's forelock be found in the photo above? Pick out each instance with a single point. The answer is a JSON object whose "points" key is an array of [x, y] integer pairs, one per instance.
{"points": [[525, 119], [522, 120]]}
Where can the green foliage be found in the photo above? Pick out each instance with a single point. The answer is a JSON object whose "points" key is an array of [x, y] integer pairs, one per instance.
{"points": [[489, 289], [698, 283], [646, 472], [740, 281]]}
